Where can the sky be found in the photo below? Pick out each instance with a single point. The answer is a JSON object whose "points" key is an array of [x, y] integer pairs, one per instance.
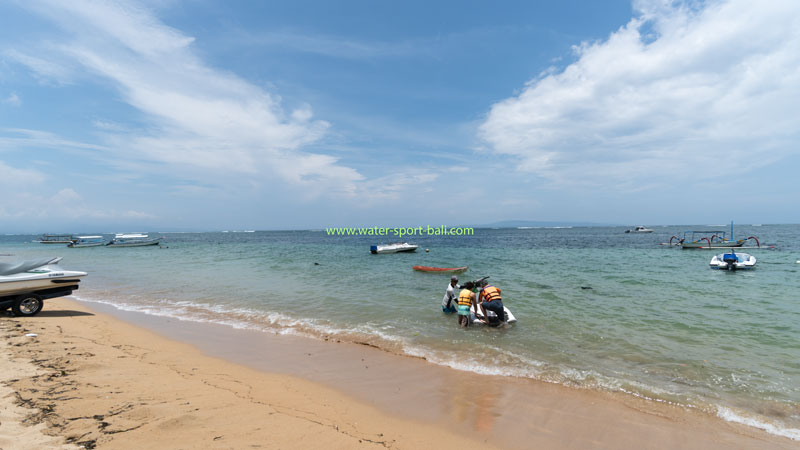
{"points": [[206, 115]]}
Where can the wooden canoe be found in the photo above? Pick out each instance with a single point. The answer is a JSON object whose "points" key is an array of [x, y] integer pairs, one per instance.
{"points": [[440, 269]]}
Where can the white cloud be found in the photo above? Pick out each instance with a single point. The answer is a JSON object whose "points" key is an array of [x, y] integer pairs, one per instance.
{"points": [[14, 178], [678, 93], [45, 70], [12, 100], [201, 118], [411, 183], [21, 204], [16, 138]]}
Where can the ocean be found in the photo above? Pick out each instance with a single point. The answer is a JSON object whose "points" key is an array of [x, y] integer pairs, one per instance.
{"points": [[597, 308]]}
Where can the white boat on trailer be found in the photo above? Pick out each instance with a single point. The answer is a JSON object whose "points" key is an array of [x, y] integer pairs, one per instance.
{"points": [[396, 247], [25, 285], [133, 240]]}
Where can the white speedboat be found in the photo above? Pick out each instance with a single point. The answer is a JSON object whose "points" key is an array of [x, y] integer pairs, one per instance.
{"points": [[24, 285], [87, 241], [639, 229], [733, 261], [133, 240], [396, 247]]}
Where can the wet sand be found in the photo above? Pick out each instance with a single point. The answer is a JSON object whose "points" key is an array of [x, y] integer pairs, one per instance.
{"points": [[114, 379]]}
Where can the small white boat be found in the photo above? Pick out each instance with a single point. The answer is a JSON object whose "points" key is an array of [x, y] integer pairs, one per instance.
{"points": [[396, 247], [639, 229], [733, 261], [24, 285], [133, 240], [87, 241]]}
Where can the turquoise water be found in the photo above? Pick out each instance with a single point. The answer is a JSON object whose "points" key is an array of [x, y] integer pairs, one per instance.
{"points": [[596, 308]]}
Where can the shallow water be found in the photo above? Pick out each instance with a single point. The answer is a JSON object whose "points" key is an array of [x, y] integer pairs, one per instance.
{"points": [[596, 308]]}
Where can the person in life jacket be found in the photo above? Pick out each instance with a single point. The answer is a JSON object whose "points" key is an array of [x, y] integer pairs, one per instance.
{"points": [[450, 299], [466, 298], [490, 299]]}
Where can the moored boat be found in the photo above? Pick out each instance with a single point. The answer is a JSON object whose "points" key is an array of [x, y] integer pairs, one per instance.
{"points": [[440, 269], [55, 239], [133, 240], [639, 229], [87, 241], [395, 247], [710, 239]]}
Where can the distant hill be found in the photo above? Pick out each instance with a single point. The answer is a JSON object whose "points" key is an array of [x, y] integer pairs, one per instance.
{"points": [[536, 223]]}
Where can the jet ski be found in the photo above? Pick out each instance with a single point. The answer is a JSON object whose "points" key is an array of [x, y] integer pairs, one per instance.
{"points": [[477, 317], [492, 320], [25, 285]]}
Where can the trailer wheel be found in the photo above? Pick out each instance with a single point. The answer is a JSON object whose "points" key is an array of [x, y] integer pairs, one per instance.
{"points": [[27, 305]]}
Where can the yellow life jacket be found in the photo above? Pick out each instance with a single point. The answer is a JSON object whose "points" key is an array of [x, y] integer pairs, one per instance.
{"points": [[464, 297]]}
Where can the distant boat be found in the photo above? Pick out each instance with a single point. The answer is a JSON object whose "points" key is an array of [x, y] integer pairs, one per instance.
{"points": [[87, 241], [733, 261], [440, 269], [396, 247], [639, 229], [133, 240], [55, 239]]}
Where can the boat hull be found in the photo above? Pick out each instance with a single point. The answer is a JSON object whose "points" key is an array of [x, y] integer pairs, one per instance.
{"points": [[14, 287], [94, 244], [440, 269], [726, 244], [134, 244]]}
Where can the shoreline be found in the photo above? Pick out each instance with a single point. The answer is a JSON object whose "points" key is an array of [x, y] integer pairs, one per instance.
{"points": [[413, 397]]}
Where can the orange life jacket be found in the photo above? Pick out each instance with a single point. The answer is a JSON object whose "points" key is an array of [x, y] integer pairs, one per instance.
{"points": [[490, 293]]}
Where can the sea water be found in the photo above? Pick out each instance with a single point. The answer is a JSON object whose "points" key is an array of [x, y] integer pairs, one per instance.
{"points": [[597, 308]]}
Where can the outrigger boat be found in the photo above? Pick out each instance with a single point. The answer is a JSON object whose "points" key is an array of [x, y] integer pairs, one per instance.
{"points": [[55, 239], [709, 239]]}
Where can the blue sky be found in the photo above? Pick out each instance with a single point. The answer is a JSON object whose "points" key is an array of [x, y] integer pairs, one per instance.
{"points": [[306, 114]]}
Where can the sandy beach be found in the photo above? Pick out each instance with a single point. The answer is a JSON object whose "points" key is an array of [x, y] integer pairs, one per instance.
{"points": [[76, 376]]}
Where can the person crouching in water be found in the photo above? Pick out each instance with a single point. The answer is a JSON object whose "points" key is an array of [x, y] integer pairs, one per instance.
{"points": [[490, 299], [466, 298]]}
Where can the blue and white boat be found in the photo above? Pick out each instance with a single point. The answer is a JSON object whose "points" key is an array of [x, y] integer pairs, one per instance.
{"points": [[87, 241], [733, 261], [133, 240]]}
